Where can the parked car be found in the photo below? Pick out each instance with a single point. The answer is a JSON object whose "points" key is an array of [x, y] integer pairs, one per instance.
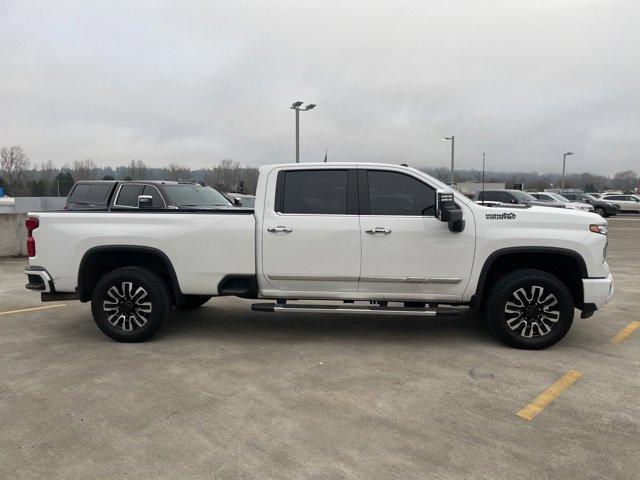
{"points": [[150, 194], [601, 207], [497, 197], [351, 232], [241, 199], [556, 197], [627, 203]]}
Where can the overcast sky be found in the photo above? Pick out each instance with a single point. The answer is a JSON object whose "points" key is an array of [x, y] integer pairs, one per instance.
{"points": [[195, 82]]}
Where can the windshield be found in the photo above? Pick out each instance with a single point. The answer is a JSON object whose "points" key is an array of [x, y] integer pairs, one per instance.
{"points": [[189, 195], [523, 196], [558, 197]]}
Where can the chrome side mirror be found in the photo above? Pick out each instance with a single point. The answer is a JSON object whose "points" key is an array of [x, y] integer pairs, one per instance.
{"points": [[145, 201]]}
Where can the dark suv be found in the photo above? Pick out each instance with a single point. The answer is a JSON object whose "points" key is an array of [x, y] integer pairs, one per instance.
{"points": [[152, 194], [601, 207], [512, 196]]}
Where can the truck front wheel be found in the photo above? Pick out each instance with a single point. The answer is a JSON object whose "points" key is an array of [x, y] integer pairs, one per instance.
{"points": [[530, 309], [130, 304]]}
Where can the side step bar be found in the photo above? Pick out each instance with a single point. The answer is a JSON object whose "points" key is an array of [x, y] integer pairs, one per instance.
{"points": [[355, 309]]}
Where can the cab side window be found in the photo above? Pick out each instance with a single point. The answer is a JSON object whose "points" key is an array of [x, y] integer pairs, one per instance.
{"points": [[157, 201], [128, 196], [392, 193], [506, 197]]}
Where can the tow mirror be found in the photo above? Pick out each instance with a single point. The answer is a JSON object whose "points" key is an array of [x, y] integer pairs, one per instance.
{"points": [[448, 211], [145, 201]]}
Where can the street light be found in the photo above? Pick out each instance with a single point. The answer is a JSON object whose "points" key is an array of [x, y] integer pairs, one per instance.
{"points": [[564, 161], [453, 144], [297, 107]]}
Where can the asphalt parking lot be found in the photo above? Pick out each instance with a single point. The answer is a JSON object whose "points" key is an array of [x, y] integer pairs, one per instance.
{"points": [[225, 393]]}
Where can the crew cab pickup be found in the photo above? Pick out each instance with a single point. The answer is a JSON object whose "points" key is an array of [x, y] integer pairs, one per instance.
{"points": [[353, 238]]}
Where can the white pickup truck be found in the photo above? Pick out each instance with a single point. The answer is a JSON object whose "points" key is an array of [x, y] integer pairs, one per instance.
{"points": [[355, 238]]}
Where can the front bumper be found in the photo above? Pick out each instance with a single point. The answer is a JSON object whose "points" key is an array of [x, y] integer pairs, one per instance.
{"points": [[597, 291]]}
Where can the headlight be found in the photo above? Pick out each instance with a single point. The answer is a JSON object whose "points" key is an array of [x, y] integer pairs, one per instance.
{"points": [[599, 229]]}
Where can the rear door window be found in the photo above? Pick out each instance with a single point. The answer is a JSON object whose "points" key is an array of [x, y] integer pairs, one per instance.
{"points": [[99, 193], [79, 193], [314, 192], [489, 196], [128, 196]]}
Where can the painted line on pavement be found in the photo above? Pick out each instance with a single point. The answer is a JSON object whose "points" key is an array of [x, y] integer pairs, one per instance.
{"points": [[549, 395], [32, 309], [625, 332]]}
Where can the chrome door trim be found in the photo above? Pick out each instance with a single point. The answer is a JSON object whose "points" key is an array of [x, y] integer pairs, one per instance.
{"points": [[313, 278], [411, 280]]}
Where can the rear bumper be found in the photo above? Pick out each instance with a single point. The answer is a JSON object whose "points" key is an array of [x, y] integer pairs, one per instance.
{"points": [[598, 291], [39, 280]]}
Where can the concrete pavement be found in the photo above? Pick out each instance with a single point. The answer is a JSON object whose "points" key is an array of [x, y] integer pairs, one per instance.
{"points": [[226, 393]]}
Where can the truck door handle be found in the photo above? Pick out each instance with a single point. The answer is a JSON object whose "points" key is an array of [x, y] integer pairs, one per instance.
{"points": [[374, 230], [280, 229]]}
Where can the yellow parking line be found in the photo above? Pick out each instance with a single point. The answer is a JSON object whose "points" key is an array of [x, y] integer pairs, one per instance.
{"points": [[625, 332], [32, 309], [549, 395]]}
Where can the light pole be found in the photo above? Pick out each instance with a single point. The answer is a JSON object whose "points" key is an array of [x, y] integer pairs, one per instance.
{"points": [[453, 146], [296, 106], [564, 161]]}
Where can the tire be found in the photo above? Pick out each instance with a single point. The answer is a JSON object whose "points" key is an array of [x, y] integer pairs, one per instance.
{"points": [[191, 302], [530, 309], [602, 212], [124, 312]]}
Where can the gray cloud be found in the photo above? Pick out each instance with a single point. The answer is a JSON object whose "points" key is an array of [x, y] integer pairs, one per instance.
{"points": [[195, 82]]}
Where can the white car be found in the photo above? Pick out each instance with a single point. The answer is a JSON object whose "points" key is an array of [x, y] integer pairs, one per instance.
{"points": [[627, 203], [391, 237], [551, 197]]}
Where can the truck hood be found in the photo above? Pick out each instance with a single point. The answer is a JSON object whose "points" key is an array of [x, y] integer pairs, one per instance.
{"points": [[537, 215]]}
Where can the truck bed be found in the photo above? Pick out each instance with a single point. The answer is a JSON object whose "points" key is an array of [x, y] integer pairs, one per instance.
{"points": [[203, 246]]}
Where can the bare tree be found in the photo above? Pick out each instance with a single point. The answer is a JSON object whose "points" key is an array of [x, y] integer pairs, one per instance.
{"points": [[13, 166], [178, 172], [84, 169], [625, 180], [137, 169]]}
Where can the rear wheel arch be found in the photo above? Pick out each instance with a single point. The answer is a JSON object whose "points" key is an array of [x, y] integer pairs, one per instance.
{"points": [[567, 265], [98, 261]]}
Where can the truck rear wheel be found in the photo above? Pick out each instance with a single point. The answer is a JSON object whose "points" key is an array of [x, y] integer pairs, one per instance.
{"points": [[530, 309], [130, 304]]}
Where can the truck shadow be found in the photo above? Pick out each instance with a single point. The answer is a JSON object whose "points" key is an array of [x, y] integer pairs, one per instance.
{"points": [[231, 322]]}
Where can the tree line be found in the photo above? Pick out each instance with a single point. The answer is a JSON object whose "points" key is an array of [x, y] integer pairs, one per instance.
{"points": [[19, 177], [627, 180]]}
